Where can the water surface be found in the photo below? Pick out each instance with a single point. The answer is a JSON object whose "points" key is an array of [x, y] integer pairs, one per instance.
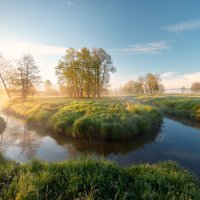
{"points": [[175, 141]]}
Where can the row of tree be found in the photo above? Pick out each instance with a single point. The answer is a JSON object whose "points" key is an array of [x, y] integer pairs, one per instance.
{"points": [[81, 73], [85, 72], [20, 78], [148, 84], [195, 87]]}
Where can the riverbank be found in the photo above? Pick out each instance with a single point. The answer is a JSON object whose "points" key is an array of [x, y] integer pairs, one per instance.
{"points": [[95, 179], [178, 106], [102, 119]]}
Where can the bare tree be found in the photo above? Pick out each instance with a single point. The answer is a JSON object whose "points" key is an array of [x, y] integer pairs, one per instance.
{"points": [[6, 72], [27, 77]]}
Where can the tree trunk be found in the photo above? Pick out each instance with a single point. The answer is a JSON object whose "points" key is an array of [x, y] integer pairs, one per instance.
{"points": [[5, 87]]}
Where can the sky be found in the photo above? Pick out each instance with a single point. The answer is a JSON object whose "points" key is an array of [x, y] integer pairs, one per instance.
{"points": [[156, 36]]}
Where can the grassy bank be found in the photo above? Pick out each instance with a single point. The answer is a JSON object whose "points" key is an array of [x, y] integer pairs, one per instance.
{"points": [[179, 106], [95, 179], [2, 125], [106, 119]]}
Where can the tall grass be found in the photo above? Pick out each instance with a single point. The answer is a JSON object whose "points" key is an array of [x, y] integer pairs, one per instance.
{"points": [[92, 119], [95, 179], [179, 106]]}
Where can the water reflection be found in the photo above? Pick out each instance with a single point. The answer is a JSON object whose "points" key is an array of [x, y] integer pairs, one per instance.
{"points": [[176, 141], [22, 144], [17, 141]]}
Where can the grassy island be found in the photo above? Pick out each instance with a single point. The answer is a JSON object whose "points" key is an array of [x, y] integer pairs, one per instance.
{"points": [[103, 119]]}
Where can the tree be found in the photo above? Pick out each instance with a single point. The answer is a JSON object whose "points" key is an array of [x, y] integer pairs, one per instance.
{"points": [[86, 71], [183, 89], [103, 66], [195, 87], [161, 89], [140, 85], [152, 83], [69, 73], [6, 73], [48, 86], [129, 88], [87, 79], [27, 75]]}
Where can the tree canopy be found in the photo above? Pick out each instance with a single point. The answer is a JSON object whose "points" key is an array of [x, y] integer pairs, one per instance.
{"points": [[20, 79], [85, 72], [195, 87]]}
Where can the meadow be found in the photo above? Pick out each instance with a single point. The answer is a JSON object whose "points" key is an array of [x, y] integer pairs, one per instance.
{"points": [[103, 119], [90, 179], [179, 106]]}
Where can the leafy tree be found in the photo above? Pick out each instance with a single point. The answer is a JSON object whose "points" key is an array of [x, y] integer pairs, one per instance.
{"points": [[129, 88], [152, 83], [195, 87], [48, 86], [86, 71], [103, 66]]}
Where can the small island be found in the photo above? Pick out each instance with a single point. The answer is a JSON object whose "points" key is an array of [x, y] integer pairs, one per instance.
{"points": [[103, 119]]}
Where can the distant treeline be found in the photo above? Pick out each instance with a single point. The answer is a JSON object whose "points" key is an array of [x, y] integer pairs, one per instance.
{"points": [[81, 73], [148, 84]]}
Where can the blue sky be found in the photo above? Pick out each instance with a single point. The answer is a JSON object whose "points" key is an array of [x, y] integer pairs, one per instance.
{"points": [[141, 35]]}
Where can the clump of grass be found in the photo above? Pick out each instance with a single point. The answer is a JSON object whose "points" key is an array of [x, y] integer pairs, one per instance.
{"points": [[2, 125], [103, 119], [95, 179]]}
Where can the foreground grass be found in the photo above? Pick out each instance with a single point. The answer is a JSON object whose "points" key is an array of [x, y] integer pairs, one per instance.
{"points": [[106, 119], [179, 106], [2, 125], [95, 179]]}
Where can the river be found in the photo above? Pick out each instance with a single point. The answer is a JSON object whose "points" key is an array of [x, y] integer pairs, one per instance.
{"points": [[176, 141]]}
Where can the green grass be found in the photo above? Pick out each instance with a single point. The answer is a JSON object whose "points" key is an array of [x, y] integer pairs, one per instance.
{"points": [[178, 106], [95, 179], [2, 125], [104, 119]]}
